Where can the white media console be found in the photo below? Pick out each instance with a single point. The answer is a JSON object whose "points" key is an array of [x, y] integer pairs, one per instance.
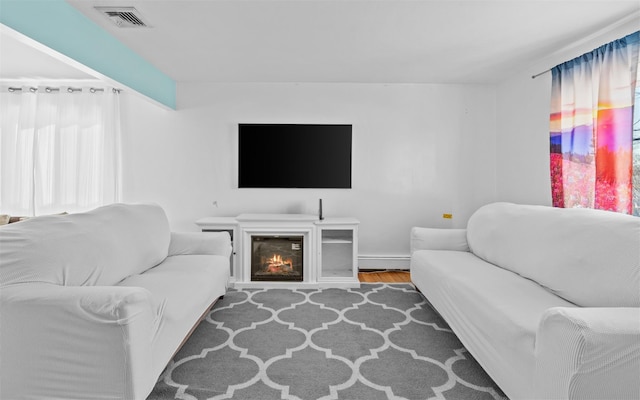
{"points": [[329, 249]]}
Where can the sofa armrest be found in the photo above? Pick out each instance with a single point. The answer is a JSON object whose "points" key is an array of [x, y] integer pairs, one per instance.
{"points": [[63, 342], [588, 353], [213, 243], [438, 239]]}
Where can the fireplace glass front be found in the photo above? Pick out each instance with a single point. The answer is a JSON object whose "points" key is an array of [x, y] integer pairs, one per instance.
{"points": [[277, 258]]}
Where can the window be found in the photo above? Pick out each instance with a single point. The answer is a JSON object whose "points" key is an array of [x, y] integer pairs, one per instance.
{"points": [[595, 153], [59, 149]]}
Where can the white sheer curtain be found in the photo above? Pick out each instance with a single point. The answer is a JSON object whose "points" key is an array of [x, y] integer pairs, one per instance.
{"points": [[59, 149]]}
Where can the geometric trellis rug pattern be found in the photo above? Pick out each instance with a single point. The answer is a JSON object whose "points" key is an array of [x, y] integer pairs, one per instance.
{"points": [[379, 341]]}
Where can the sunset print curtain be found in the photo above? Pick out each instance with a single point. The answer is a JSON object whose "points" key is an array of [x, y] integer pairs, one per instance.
{"points": [[592, 100]]}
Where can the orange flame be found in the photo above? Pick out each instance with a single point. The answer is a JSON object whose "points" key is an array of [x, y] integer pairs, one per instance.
{"points": [[278, 265]]}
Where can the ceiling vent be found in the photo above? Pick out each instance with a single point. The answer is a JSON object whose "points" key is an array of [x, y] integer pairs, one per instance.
{"points": [[124, 17]]}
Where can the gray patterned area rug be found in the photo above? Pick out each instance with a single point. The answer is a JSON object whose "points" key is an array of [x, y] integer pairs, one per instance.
{"points": [[381, 341]]}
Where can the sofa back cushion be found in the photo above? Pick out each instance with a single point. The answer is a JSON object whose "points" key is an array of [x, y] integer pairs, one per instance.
{"points": [[588, 257], [99, 247]]}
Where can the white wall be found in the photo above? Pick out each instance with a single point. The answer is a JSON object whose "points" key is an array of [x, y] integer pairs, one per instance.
{"points": [[523, 105], [522, 143], [418, 151]]}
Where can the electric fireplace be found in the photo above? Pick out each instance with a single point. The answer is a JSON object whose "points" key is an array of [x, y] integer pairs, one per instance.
{"points": [[277, 258]]}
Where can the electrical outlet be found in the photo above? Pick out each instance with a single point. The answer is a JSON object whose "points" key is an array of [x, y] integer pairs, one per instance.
{"points": [[447, 216]]}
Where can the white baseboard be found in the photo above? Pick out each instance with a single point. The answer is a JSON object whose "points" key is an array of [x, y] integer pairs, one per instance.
{"points": [[383, 262]]}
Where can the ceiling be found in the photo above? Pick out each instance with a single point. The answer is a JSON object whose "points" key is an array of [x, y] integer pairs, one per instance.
{"points": [[389, 41], [21, 61]]}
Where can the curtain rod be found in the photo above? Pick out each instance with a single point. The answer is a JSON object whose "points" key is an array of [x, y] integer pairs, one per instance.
{"points": [[49, 89], [540, 73]]}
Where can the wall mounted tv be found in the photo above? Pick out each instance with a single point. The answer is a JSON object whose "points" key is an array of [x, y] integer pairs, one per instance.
{"points": [[294, 156]]}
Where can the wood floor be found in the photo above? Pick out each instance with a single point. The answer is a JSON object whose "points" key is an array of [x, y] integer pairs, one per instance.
{"points": [[389, 276]]}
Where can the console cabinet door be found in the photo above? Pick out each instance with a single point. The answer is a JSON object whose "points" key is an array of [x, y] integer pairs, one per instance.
{"points": [[337, 256]]}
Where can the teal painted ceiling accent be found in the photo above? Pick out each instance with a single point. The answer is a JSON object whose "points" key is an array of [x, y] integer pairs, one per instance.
{"points": [[66, 30]]}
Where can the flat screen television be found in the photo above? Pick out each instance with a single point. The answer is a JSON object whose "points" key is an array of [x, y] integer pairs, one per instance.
{"points": [[294, 156]]}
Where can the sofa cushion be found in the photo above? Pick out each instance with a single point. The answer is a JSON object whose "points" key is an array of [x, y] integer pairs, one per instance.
{"points": [[181, 288], [588, 257], [494, 312], [99, 247]]}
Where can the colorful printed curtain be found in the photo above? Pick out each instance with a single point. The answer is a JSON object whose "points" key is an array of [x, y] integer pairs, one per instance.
{"points": [[592, 100]]}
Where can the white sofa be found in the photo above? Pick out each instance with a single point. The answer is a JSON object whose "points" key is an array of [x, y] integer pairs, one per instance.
{"points": [[547, 300], [94, 305]]}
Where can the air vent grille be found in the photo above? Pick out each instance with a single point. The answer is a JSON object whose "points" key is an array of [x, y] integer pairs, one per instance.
{"points": [[124, 17]]}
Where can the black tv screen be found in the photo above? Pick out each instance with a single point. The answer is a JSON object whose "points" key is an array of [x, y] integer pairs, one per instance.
{"points": [[294, 156]]}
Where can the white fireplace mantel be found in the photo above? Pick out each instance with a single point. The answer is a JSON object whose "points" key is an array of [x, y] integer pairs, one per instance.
{"points": [[276, 218], [330, 247]]}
